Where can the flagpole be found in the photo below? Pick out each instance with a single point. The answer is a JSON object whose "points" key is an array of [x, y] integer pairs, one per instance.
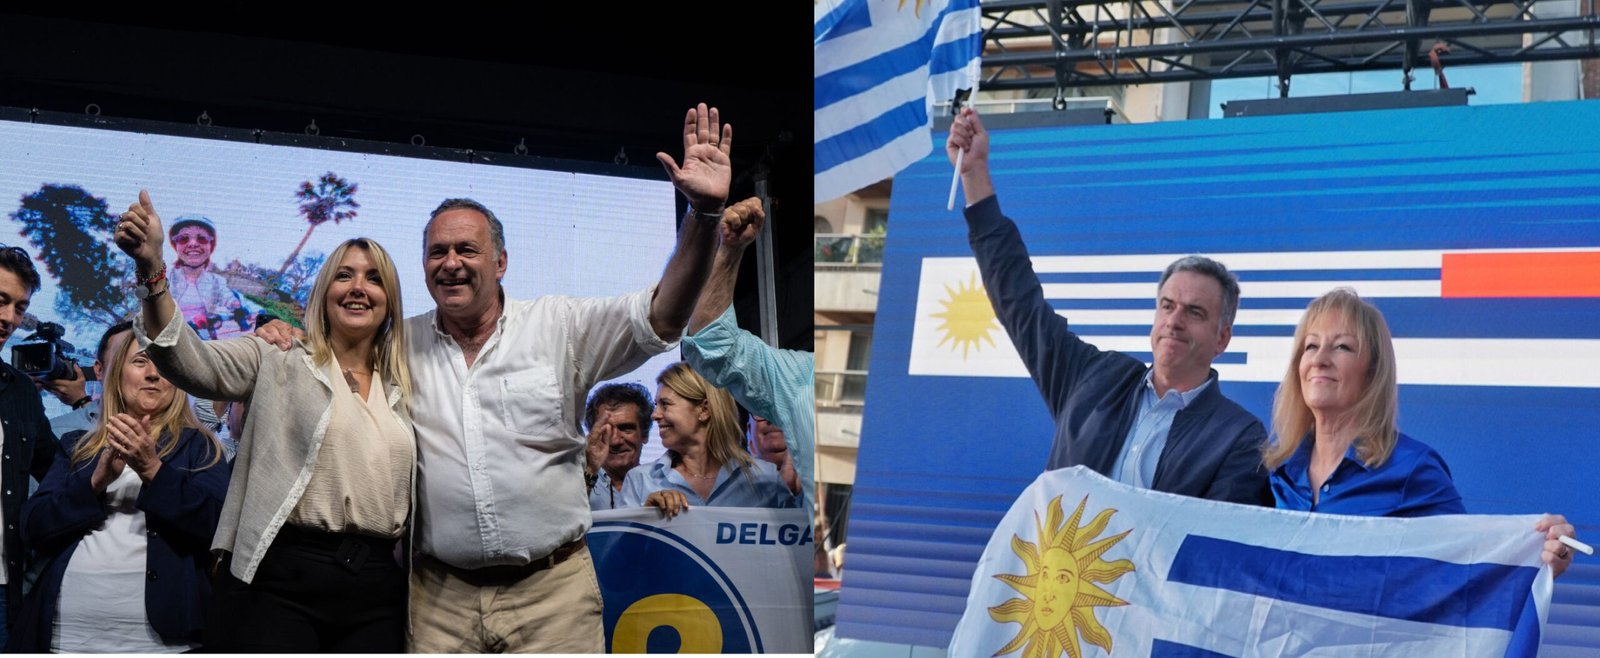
{"points": [[955, 177]]}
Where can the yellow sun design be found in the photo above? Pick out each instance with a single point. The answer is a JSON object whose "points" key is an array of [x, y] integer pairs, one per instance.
{"points": [[968, 317], [1060, 585], [916, 9]]}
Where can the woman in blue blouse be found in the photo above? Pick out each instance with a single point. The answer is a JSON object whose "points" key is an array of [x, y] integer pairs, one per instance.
{"points": [[1338, 449], [124, 519], [706, 463]]}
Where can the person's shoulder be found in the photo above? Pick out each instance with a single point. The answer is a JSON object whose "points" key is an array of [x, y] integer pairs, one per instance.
{"points": [[9, 375], [1117, 370], [69, 441], [1412, 451]]}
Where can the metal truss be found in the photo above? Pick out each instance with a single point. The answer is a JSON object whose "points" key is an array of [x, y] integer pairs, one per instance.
{"points": [[1060, 44]]}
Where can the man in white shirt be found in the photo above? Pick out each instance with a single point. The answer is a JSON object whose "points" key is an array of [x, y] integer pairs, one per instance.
{"points": [[499, 387], [498, 390]]}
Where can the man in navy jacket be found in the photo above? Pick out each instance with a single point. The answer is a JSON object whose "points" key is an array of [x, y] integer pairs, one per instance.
{"points": [[29, 446], [1166, 427]]}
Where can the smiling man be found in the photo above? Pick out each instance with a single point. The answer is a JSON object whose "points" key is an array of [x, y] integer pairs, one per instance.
{"points": [[1166, 426], [499, 388], [618, 420], [29, 445]]}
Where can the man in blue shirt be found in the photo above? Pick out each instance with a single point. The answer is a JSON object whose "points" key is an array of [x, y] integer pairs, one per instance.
{"points": [[617, 418], [1166, 427]]}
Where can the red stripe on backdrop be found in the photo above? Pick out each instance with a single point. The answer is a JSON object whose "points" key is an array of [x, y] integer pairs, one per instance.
{"points": [[1541, 274]]}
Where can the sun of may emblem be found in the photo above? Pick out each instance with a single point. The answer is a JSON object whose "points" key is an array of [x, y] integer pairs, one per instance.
{"points": [[1059, 591], [968, 317]]}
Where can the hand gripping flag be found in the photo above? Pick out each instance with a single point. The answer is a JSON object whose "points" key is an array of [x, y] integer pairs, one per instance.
{"points": [[1084, 566], [879, 66]]}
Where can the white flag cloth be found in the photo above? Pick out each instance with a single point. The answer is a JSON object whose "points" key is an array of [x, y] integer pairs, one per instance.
{"points": [[879, 65], [1084, 566], [714, 580]]}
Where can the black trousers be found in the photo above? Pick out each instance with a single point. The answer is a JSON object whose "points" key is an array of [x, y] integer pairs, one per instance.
{"points": [[314, 592]]}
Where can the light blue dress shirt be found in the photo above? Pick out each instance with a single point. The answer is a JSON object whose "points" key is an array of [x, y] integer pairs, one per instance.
{"points": [[1152, 422], [775, 384], [602, 496], [755, 487]]}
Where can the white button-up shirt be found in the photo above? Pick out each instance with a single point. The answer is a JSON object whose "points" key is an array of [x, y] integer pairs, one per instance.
{"points": [[499, 448]]}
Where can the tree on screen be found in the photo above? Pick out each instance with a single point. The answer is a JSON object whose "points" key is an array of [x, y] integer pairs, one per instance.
{"points": [[70, 231], [330, 198]]}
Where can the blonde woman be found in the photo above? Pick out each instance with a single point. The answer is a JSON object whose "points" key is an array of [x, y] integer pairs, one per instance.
{"points": [[322, 485], [1338, 447], [706, 463], [124, 521]]}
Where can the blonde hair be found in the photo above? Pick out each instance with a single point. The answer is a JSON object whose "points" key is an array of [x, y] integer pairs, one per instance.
{"points": [[389, 343], [724, 439], [1378, 406], [169, 422]]}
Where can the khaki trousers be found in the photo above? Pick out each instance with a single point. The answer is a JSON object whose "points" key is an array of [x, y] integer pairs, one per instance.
{"points": [[555, 610]]}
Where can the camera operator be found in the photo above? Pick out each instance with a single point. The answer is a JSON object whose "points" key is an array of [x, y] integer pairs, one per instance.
{"points": [[85, 411], [28, 445]]}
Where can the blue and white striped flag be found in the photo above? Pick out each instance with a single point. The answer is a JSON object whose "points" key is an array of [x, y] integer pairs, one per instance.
{"points": [[1084, 566], [879, 67]]}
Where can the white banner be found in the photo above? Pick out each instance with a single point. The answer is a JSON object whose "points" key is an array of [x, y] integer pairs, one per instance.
{"points": [[712, 580]]}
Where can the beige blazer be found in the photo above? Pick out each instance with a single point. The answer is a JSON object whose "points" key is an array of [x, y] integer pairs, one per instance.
{"points": [[291, 401]]}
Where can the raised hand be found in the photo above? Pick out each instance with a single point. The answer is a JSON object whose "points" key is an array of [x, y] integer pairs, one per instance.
{"points": [[706, 171], [791, 479], [741, 223], [967, 133], [130, 437], [600, 435], [138, 234]]}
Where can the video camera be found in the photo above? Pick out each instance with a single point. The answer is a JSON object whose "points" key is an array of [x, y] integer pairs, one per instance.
{"points": [[44, 354]]}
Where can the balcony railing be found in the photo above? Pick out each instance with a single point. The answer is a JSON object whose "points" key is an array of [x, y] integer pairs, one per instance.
{"points": [[847, 250], [841, 388]]}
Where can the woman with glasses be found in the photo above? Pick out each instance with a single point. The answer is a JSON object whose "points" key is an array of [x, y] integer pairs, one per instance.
{"points": [[203, 296], [326, 454]]}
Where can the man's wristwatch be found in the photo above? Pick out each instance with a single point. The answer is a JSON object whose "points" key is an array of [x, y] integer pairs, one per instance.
{"points": [[707, 216]]}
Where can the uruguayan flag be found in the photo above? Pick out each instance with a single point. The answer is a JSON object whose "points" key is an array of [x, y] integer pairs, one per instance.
{"points": [[1084, 566], [879, 65], [1110, 302]]}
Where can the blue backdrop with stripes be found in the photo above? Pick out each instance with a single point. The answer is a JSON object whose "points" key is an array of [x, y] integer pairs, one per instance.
{"points": [[942, 457]]}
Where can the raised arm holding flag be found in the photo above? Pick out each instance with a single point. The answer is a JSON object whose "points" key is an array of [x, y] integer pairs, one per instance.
{"points": [[879, 67]]}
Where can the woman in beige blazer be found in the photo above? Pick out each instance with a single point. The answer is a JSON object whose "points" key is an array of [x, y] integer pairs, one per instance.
{"points": [[322, 481]]}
